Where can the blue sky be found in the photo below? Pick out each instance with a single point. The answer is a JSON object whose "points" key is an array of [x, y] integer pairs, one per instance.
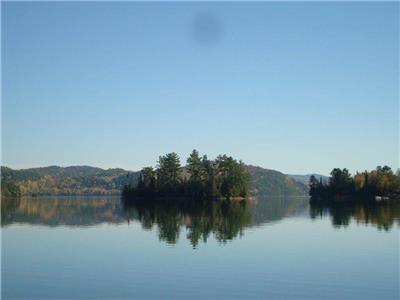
{"points": [[297, 87]]}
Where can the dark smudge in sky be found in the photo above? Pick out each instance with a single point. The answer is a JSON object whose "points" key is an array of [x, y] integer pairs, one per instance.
{"points": [[207, 28]]}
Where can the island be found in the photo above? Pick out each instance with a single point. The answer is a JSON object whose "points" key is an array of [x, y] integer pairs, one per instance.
{"points": [[381, 184], [200, 178]]}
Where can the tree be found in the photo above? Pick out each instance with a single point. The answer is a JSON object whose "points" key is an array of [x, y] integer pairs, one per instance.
{"points": [[9, 188], [168, 173], [148, 177], [224, 177], [233, 177], [195, 168], [341, 182], [209, 175], [314, 186], [385, 170], [363, 186]]}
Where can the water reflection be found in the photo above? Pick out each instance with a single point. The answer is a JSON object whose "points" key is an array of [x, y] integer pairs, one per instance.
{"points": [[57, 211], [382, 215], [268, 210], [224, 220]]}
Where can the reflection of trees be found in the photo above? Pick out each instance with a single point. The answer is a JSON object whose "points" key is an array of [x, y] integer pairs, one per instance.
{"points": [[9, 207], [382, 215], [271, 209], [225, 219], [74, 211]]}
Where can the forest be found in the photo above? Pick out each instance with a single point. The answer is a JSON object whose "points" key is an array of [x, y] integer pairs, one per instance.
{"points": [[65, 181], [224, 177], [86, 180], [381, 183]]}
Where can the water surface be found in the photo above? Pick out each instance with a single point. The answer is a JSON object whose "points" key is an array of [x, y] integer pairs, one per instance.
{"points": [[99, 247]]}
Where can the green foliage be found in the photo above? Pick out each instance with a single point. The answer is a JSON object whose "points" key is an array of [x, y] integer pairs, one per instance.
{"points": [[84, 180], [233, 178], [201, 178], [9, 189], [198, 174], [76, 180], [168, 180], [341, 181], [145, 184], [380, 182], [272, 183]]}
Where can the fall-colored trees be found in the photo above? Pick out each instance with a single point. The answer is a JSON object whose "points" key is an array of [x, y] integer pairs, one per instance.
{"points": [[380, 182]]}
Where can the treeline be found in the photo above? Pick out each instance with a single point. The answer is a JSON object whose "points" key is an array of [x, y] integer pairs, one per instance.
{"points": [[68, 181], [223, 177], [381, 182]]}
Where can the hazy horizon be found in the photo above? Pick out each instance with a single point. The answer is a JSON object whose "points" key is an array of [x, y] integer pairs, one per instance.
{"points": [[296, 87]]}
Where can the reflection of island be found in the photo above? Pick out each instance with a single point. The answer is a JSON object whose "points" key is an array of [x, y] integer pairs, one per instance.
{"points": [[224, 219], [382, 215]]}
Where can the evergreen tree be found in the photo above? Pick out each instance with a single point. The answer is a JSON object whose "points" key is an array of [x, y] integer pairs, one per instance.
{"points": [[341, 181], [209, 175], [195, 168], [363, 186], [314, 186], [225, 177], [233, 177], [148, 178], [168, 173]]}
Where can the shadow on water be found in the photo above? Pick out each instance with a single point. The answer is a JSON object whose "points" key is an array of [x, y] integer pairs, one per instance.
{"points": [[382, 215]]}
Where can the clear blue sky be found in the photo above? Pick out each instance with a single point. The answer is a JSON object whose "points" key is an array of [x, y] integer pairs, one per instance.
{"points": [[297, 87]]}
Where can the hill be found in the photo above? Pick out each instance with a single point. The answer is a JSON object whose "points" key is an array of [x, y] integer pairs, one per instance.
{"points": [[74, 180], [86, 180], [274, 183], [305, 179]]}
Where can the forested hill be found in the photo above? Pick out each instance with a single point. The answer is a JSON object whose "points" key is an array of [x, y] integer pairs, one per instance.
{"points": [[86, 180], [274, 183], [74, 180], [305, 179]]}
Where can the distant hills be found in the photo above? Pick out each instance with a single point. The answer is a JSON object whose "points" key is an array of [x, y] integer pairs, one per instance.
{"points": [[304, 179], [74, 180], [86, 180], [274, 183]]}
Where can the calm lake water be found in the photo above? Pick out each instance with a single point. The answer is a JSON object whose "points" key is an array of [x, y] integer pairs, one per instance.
{"points": [[98, 247]]}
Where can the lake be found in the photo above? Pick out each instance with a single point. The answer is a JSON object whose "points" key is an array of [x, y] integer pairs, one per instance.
{"points": [[102, 247]]}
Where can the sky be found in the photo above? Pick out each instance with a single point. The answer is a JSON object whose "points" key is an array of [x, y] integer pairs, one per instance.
{"points": [[296, 87]]}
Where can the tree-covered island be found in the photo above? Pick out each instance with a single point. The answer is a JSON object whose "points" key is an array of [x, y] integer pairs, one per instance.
{"points": [[379, 184], [201, 177]]}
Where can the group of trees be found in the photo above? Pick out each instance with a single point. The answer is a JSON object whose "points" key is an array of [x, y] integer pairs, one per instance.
{"points": [[200, 178], [379, 182], [9, 189], [66, 181]]}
